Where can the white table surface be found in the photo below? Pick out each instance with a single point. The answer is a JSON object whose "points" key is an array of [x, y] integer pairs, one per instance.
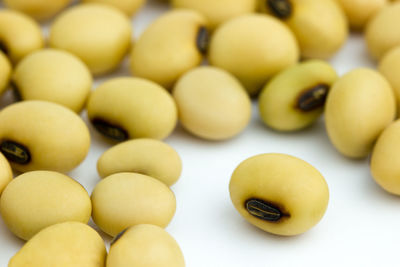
{"points": [[360, 228]]}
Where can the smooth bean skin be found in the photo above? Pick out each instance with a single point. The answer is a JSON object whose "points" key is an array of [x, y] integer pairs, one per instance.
{"points": [[385, 159], [168, 47], [98, 34], [145, 156], [382, 32], [20, 35], [53, 75], [38, 199], [43, 136], [290, 184], [138, 107], [320, 26], [217, 12], [5, 72], [129, 7], [360, 105], [212, 103], [126, 199], [389, 66], [280, 102], [359, 12], [6, 174], [253, 48], [138, 245], [62, 245], [38, 9]]}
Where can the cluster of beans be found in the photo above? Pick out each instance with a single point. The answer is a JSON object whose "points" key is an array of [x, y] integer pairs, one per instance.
{"points": [[254, 48]]}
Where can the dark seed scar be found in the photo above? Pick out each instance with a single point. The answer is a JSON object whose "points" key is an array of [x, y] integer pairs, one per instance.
{"points": [[15, 152], [264, 210], [111, 131], [280, 8], [313, 98], [203, 40]]}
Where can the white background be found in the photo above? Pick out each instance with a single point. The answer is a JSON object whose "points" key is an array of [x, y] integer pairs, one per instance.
{"points": [[361, 226]]}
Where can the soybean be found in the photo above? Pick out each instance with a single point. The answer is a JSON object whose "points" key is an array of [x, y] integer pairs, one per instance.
{"points": [[253, 48], [359, 12], [53, 75], [14, 27], [389, 66], [129, 7], [38, 199], [63, 245], [138, 245], [5, 72], [212, 103], [6, 174], [145, 156], [295, 98], [126, 199], [127, 108], [382, 32], [359, 107], [98, 34], [320, 26], [38, 9], [170, 46], [279, 194], [217, 12], [39, 135], [385, 159]]}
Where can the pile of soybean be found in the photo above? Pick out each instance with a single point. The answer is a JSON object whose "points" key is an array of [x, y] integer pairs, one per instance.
{"points": [[200, 64]]}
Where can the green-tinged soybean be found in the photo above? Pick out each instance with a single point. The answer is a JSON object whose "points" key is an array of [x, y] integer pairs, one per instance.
{"points": [[389, 66], [138, 246], [98, 34], [220, 11], [5, 72], [145, 156], [125, 199], [359, 12], [53, 75], [38, 9], [170, 46], [212, 103], [382, 32], [295, 98], [253, 48], [63, 245], [38, 199], [6, 174], [19, 35], [320, 26], [279, 194], [127, 108], [360, 105], [129, 7], [39, 135]]}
